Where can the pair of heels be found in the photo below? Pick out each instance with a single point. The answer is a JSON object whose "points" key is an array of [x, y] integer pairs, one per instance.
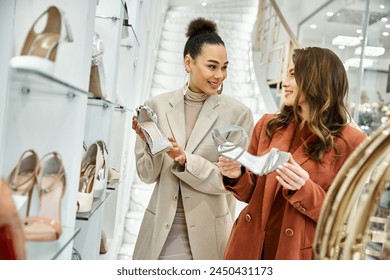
{"points": [[49, 176], [259, 165], [93, 176], [155, 137], [40, 49]]}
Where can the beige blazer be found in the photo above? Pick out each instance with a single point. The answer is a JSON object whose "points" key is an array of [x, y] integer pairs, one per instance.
{"points": [[209, 208]]}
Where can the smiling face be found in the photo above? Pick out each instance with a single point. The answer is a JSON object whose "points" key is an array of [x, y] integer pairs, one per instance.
{"points": [[208, 70], [291, 90]]}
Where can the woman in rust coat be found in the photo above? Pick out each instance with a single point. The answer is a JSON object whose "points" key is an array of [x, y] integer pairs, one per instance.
{"points": [[283, 208]]}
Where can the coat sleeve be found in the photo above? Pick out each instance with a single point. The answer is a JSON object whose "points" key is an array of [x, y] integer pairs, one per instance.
{"points": [[309, 199], [148, 166], [202, 174]]}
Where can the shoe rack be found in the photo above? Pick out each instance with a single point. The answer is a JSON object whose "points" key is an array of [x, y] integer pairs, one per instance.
{"points": [[55, 112], [47, 113]]}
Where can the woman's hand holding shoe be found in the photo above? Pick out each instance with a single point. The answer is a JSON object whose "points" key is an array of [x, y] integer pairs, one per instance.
{"points": [[229, 168], [177, 153], [137, 127], [291, 175]]}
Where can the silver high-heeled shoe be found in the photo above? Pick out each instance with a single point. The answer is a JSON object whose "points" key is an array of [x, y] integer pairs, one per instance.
{"points": [[156, 139], [259, 165]]}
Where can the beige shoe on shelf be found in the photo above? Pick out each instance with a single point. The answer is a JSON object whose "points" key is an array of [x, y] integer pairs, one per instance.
{"points": [[51, 180], [39, 51]]}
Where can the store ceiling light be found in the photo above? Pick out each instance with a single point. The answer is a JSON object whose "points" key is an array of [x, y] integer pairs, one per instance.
{"points": [[355, 62], [370, 51], [204, 4], [347, 41]]}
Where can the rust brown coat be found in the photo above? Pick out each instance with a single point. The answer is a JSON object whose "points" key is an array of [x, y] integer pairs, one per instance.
{"points": [[303, 207]]}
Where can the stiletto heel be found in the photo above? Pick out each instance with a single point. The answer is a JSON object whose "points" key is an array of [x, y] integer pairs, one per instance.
{"points": [[102, 169], [40, 49], [23, 177], [259, 165], [156, 139], [93, 176], [51, 184]]}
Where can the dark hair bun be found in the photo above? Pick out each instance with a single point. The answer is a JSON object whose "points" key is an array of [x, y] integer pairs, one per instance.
{"points": [[200, 25]]}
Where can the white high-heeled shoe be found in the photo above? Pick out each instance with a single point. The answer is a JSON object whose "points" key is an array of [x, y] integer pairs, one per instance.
{"points": [[157, 141], [259, 165], [39, 51]]}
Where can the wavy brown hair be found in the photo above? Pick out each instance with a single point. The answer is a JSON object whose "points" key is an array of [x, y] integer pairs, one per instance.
{"points": [[321, 77]]}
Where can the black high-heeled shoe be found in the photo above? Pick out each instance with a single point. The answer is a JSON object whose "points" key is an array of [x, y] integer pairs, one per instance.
{"points": [[259, 165]]}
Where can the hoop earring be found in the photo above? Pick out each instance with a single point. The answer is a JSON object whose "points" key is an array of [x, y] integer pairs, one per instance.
{"points": [[220, 89], [186, 83]]}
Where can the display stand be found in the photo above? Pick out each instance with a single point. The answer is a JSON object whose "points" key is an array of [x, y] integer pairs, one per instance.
{"points": [[54, 112]]}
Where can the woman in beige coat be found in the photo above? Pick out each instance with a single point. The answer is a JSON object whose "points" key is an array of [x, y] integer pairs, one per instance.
{"points": [[190, 214]]}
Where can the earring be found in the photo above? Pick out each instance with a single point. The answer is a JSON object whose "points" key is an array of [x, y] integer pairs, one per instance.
{"points": [[220, 89], [186, 82]]}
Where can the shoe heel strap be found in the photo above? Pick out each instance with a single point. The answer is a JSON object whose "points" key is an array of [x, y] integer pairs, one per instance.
{"points": [[219, 140], [55, 14], [60, 172], [15, 172]]}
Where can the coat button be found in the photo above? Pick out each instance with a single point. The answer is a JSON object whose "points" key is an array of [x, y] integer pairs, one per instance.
{"points": [[248, 217], [296, 204], [289, 232], [175, 197], [303, 210], [166, 225]]}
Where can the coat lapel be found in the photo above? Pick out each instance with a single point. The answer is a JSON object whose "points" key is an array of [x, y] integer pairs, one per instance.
{"points": [[176, 118], [205, 121], [284, 140]]}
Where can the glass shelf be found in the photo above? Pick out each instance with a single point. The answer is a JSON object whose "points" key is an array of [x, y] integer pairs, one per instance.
{"points": [[124, 109], [105, 103], [113, 185], [28, 81], [97, 202], [97, 101], [50, 250]]}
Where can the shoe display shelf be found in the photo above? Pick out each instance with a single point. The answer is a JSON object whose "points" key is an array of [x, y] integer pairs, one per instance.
{"points": [[108, 119], [98, 120], [116, 207], [46, 112]]}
